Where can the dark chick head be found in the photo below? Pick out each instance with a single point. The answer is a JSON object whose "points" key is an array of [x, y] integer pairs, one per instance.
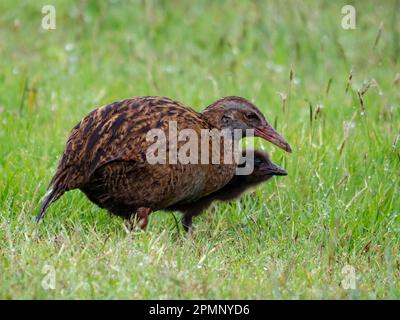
{"points": [[238, 113], [264, 168]]}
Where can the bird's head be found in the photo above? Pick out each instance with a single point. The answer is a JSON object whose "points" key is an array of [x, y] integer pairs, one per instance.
{"points": [[264, 168], [235, 113]]}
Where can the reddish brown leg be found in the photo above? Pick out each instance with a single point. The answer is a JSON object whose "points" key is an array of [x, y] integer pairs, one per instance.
{"points": [[142, 215]]}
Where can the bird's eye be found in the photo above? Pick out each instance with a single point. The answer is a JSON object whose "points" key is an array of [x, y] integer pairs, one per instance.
{"points": [[251, 116]]}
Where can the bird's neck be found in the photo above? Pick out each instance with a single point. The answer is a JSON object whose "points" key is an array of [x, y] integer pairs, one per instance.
{"points": [[213, 117]]}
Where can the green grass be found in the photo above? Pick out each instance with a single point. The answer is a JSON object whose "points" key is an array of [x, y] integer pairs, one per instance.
{"points": [[291, 238]]}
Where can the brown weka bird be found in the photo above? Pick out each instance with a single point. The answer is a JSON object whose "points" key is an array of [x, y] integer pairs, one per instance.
{"points": [[263, 170], [105, 155]]}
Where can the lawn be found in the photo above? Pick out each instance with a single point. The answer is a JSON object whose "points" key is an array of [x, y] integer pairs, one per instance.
{"points": [[329, 230]]}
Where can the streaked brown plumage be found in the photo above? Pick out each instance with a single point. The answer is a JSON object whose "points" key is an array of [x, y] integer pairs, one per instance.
{"points": [[264, 169], [105, 155]]}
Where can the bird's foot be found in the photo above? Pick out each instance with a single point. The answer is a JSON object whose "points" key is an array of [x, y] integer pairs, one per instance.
{"points": [[187, 224], [190, 231], [142, 215], [140, 218]]}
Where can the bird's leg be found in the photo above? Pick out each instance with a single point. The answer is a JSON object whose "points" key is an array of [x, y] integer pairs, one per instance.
{"points": [[187, 222], [142, 215]]}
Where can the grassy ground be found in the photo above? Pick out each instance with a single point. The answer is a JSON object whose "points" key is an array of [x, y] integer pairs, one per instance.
{"points": [[339, 206]]}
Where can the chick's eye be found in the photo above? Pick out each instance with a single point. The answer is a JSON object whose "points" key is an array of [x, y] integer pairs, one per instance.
{"points": [[251, 116]]}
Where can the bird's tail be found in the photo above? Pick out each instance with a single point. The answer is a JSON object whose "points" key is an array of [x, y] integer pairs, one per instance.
{"points": [[52, 196]]}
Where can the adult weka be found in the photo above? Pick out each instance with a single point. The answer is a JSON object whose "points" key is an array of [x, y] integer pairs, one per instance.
{"points": [[105, 155]]}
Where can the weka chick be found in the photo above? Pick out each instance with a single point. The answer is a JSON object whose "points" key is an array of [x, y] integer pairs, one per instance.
{"points": [[105, 155], [263, 170]]}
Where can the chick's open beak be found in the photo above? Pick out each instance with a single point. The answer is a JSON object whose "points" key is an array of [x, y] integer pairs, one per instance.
{"points": [[270, 134]]}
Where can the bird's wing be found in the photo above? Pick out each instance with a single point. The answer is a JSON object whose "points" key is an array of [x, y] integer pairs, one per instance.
{"points": [[118, 132]]}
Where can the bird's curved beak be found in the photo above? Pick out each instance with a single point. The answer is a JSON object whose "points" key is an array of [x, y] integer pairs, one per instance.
{"points": [[270, 134]]}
